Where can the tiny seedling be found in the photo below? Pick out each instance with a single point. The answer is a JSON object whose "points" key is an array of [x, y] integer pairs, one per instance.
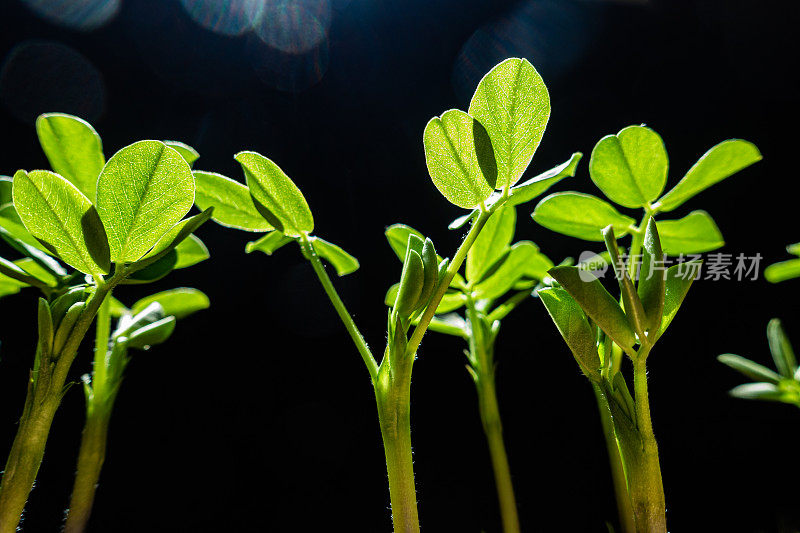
{"points": [[499, 276], [83, 229], [783, 385], [475, 160], [631, 170], [148, 322]]}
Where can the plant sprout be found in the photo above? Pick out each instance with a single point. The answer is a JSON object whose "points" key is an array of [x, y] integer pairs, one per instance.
{"points": [[474, 159], [148, 322], [631, 170], [494, 269], [83, 229], [783, 385]]}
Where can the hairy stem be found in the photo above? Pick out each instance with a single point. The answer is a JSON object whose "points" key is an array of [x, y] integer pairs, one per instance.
{"points": [[647, 490], [624, 510], [41, 404], [91, 456]]}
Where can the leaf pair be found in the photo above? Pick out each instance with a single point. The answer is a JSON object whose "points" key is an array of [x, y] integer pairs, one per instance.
{"points": [[469, 155], [271, 202], [631, 170]]}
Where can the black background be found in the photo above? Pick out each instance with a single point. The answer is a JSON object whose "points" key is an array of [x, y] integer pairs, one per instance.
{"points": [[258, 414]]}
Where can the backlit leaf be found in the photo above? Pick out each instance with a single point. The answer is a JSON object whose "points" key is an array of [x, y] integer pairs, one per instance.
{"points": [[343, 262], [179, 303], [580, 215], [492, 242], [695, 233], [231, 200]]}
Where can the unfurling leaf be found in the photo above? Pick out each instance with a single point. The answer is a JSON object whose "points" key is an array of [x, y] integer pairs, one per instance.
{"points": [[343, 262]]}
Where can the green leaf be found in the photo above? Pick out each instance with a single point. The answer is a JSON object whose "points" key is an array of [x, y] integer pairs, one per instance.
{"points": [[492, 242], [794, 249], [189, 154], [9, 286], [530, 189], [397, 235], [513, 104], [179, 303], [10, 270], [173, 237], [630, 167], [677, 280], [275, 196], [449, 324], [723, 160], [154, 269], [117, 308], [37, 271], [580, 215], [233, 206], [509, 272], [269, 243], [36, 253], [571, 322], [10, 221], [749, 368], [597, 303], [143, 191], [695, 233], [781, 349], [154, 333], [63, 219], [460, 160], [73, 148], [190, 252], [6, 184], [782, 271], [651, 287], [451, 301], [343, 262], [758, 391]]}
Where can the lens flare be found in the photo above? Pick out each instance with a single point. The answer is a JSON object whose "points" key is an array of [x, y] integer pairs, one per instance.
{"points": [[295, 27], [231, 17], [43, 76], [84, 15]]}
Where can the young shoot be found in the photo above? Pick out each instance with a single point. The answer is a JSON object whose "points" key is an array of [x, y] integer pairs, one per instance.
{"points": [[475, 159], [83, 229], [148, 322], [630, 168]]}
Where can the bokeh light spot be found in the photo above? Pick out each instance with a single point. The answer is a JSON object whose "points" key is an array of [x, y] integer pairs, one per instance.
{"points": [[294, 28], [226, 17], [81, 15], [43, 76]]}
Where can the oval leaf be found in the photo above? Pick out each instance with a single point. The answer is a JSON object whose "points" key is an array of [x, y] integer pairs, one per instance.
{"points": [[509, 272], [695, 233], [189, 154], [721, 161], [62, 219], [233, 206], [513, 104], [580, 215], [630, 167], [191, 251], [73, 148], [180, 302], [143, 191], [276, 195], [459, 156], [782, 271]]}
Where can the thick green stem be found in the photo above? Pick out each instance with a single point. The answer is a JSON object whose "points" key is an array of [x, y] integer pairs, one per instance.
{"points": [[338, 304], [647, 490], [91, 456], [625, 511], [393, 396], [41, 404]]}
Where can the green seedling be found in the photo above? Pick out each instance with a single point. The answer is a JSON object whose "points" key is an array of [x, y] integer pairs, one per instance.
{"points": [[781, 386], [499, 276], [83, 229], [475, 160], [630, 168], [148, 322]]}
